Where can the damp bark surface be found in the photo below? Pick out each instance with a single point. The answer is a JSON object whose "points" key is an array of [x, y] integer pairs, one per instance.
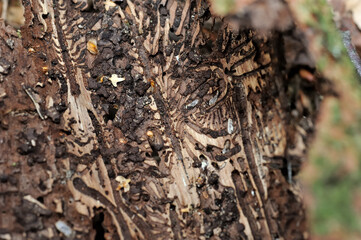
{"points": [[151, 120]]}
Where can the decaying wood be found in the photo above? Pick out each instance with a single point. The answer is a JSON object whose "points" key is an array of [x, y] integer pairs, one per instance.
{"points": [[201, 139]]}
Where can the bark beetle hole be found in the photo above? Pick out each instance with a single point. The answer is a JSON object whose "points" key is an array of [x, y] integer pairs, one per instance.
{"points": [[215, 165], [154, 155], [42, 185], [197, 147], [121, 3], [218, 202], [202, 158], [98, 226], [209, 148], [112, 112], [66, 132]]}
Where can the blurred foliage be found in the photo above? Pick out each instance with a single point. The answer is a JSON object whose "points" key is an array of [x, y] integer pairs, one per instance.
{"points": [[336, 186], [333, 171], [222, 7], [327, 37]]}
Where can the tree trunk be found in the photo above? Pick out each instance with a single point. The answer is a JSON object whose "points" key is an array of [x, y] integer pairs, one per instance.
{"points": [[150, 120]]}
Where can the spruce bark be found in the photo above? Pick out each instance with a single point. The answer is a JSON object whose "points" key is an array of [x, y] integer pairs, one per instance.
{"points": [[151, 120]]}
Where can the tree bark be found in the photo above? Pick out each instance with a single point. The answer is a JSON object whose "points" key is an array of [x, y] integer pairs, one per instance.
{"points": [[151, 120]]}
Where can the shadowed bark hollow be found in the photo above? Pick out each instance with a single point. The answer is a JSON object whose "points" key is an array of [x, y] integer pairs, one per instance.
{"points": [[151, 120]]}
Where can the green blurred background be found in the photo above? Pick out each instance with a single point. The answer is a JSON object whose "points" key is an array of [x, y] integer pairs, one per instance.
{"points": [[332, 176]]}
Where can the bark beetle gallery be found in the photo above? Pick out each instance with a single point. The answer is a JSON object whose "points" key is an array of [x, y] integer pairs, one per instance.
{"points": [[151, 120]]}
